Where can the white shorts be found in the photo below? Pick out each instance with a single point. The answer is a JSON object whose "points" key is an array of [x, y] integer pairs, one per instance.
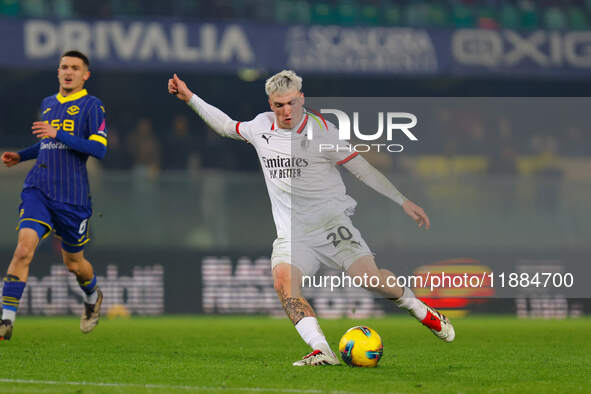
{"points": [[338, 245]]}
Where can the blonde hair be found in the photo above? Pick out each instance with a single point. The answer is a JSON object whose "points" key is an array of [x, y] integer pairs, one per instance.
{"points": [[282, 82]]}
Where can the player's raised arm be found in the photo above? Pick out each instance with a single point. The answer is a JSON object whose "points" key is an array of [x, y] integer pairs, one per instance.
{"points": [[179, 88], [373, 178], [215, 118]]}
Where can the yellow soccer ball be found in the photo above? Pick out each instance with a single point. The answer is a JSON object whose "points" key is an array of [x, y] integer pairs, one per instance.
{"points": [[361, 347]]}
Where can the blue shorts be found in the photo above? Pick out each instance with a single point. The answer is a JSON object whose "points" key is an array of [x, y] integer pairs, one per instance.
{"points": [[70, 222]]}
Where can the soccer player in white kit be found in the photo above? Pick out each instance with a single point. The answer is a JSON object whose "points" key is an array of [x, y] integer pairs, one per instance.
{"points": [[310, 206]]}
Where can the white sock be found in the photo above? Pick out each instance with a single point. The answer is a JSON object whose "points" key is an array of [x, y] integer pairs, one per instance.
{"points": [[409, 302], [8, 314], [90, 298], [311, 333]]}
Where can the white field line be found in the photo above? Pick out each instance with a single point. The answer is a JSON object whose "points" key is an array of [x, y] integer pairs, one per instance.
{"points": [[163, 386]]}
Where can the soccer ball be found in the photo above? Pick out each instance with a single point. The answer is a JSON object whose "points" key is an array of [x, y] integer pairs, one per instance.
{"points": [[361, 347]]}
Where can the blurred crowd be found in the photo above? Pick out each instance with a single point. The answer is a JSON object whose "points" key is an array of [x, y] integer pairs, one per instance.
{"points": [[150, 133], [491, 144], [506, 141], [510, 14], [181, 146]]}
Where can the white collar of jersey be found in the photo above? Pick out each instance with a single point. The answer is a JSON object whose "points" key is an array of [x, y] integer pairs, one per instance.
{"points": [[72, 97], [297, 128]]}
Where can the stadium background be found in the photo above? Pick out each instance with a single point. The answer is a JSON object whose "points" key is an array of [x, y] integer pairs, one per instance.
{"points": [[182, 221]]}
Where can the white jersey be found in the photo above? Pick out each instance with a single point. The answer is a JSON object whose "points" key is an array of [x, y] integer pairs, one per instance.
{"points": [[304, 184]]}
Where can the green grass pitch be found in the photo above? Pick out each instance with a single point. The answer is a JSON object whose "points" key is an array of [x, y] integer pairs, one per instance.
{"points": [[254, 354]]}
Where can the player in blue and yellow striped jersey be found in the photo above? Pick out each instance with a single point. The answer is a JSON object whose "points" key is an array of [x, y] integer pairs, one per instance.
{"points": [[55, 196]]}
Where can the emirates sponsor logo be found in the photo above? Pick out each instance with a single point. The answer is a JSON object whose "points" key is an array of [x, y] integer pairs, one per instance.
{"points": [[284, 162], [284, 167]]}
